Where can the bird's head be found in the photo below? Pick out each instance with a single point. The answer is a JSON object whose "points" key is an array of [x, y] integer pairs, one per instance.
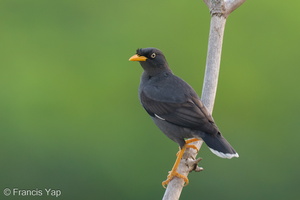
{"points": [[152, 60]]}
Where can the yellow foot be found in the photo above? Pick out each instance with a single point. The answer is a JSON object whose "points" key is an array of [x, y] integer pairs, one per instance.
{"points": [[191, 146], [173, 173]]}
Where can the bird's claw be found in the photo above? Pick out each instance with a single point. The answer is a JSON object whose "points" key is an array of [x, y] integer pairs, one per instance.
{"points": [[190, 141], [173, 174]]}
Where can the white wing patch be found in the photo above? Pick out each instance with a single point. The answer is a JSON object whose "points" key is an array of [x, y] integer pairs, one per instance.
{"points": [[159, 117]]}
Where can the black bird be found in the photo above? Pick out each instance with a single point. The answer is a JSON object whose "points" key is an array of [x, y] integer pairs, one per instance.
{"points": [[175, 107]]}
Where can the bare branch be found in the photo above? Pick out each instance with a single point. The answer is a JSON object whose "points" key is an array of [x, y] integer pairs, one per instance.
{"points": [[219, 10], [209, 90]]}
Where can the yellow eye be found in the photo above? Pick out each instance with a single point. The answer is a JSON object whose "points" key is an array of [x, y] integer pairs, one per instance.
{"points": [[153, 55]]}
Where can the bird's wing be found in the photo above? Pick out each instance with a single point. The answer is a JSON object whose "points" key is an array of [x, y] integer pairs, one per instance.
{"points": [[190, 113]]}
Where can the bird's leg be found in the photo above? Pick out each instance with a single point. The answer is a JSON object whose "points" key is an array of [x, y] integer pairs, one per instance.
{"points": [[173, 173]]}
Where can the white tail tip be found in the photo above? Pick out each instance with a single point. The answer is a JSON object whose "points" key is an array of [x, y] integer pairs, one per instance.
{"points": [[224, 155]]}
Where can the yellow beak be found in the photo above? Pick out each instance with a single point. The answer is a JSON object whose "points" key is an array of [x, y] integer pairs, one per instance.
{"points": [[136, 57]]}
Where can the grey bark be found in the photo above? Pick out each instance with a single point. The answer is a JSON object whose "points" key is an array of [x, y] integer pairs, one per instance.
{"points": [[219, 10]]}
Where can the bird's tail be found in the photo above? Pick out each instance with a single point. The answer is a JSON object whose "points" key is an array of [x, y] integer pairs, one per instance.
{"points": [[219, 146]]}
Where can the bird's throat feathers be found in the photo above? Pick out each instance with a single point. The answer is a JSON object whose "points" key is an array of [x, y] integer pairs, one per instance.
{"points": [[153, 69]]}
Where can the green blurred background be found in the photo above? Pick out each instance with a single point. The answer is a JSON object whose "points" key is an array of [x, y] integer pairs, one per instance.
{"points": [[70, 117]]}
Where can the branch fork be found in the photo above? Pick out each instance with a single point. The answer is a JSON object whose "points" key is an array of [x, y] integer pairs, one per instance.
{"points": [[222, 7]]}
